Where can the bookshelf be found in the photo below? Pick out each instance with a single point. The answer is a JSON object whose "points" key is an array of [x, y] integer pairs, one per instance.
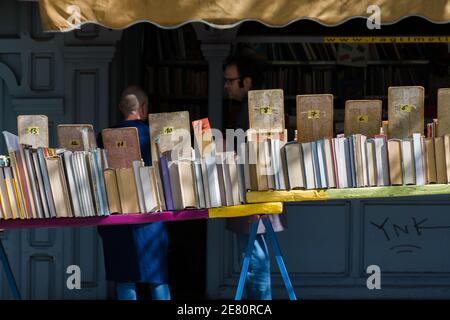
{"points": [[176, 74], [306, 65]]}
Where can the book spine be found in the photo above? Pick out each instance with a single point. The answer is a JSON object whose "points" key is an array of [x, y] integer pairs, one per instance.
{"points": [[46, 182], [165, 177]]}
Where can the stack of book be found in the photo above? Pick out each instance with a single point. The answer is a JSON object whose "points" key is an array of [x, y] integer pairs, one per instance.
{"points": [[79, 179], [43, 182], [357, 161], [364, 156]]}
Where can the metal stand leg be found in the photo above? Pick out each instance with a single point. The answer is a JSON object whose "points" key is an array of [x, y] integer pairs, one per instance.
{"points": [[9, 275], [246, 262], [279, 258]]}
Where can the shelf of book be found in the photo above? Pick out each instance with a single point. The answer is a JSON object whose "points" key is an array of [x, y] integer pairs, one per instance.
{"points": [[398, 62], [304, 65], [139, 218], [180, 63], [294, 63], [183, 98], [347, 193]]}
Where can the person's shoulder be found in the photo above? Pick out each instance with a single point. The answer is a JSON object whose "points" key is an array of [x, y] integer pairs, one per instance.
{"points": [[142, 126], [143, 129], [140, 123], [132, 123]]}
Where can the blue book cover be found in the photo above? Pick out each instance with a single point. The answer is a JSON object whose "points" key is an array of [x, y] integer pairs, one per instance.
{"points": [[316, 164], [322, 163], [348, 161], [351, 149], [284, 159], [101, 182], [46, 181], [164, 169]]}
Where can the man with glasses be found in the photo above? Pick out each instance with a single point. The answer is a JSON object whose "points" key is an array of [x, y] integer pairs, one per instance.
{"points": [[241, 74]]}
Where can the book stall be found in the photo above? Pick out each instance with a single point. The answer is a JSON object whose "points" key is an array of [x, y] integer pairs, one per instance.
{"points": [[337, 119]]}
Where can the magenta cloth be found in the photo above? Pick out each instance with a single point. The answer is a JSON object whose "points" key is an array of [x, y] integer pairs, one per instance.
{"points": [[137, 218]]}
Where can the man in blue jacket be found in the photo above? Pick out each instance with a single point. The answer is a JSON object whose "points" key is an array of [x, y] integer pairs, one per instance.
{"points": [[136, 253]]}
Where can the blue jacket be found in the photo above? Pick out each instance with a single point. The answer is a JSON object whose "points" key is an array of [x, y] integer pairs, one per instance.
{"points": [[136, 253]]}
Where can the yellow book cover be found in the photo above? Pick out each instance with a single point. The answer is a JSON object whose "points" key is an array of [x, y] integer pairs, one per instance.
{"points": [[127, 190], [439, 150], [112, 191], [395, 162], [18, 186], [12, 195], [58, 187], [6, 204]]}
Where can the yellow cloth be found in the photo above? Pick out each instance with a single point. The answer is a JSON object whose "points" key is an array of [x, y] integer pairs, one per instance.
{"points": [[286, 196], [351, 193], [246, 210], [63, 15]]}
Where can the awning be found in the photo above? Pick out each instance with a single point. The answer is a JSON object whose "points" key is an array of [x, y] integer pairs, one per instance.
{"points": [[65, 15]]}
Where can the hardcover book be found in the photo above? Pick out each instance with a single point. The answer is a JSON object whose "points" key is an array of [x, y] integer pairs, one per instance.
{"points": [[314, 117], [363, 117], [122, 146], [76, 137], [443, 112], [405, 111], [172, 130], [33, 130]]}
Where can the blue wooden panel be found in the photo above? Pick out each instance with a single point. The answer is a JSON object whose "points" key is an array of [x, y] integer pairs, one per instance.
{"points": [[42, 72], [12, 61], [9, 22], [41, 278], [87, 95], [317, 239], [85, 255], [42, 238], [405, 238], [36, 25]]}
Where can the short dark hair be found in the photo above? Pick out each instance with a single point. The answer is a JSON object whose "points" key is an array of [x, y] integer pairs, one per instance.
{"points": [[248, 65], [132, 97]]}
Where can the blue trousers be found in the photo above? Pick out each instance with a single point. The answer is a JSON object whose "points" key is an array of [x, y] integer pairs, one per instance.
{"points": [[127, 291], [258, 286]]}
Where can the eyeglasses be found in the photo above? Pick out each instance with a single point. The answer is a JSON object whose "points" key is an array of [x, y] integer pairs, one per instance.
{"points": [[230, 80]]}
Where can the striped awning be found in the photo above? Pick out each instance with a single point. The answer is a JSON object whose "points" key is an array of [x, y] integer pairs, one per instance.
{"points": [[65, 15]]}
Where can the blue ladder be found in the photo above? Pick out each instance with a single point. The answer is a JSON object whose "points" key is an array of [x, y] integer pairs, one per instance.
{"points": [[9, 275], [278, 256]]}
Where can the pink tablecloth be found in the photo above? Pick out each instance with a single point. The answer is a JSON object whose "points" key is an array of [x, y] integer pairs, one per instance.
{"points": [[109, 220]]}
